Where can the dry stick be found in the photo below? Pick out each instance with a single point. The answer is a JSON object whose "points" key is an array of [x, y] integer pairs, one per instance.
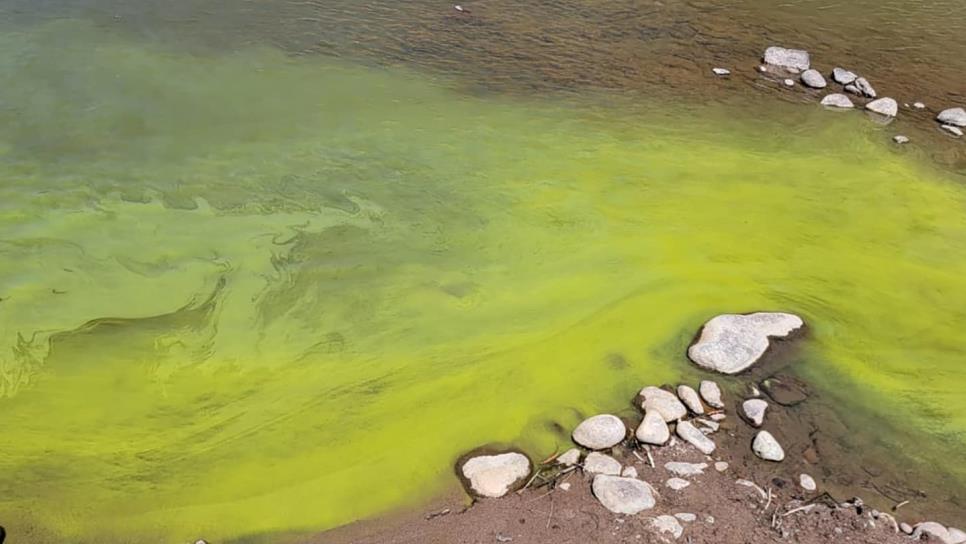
{"points": [[639, 458], [649, 458], [900, 505], [806, 508], [554, 455], [530, 481], [767, 504], [550, 517]]}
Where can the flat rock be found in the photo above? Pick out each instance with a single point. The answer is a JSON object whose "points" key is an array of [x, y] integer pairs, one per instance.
{"points": [[680, 468], [663, 402], [600, 432], [668, 524], [731, 343], [711, 393], [865, 87], [623, 495], [796, 59], [785, 390], [754, 411], [494, 475], [686, 517], [690, 434], [813, 78], [721, 71], [807, 482], [599, 463], [919, 105], [708, 426], [690, 398], [956, 131], [569, 458], [837, 100], [900, 139], [653, 429], [843, 76], [884, 106], [629, 472], [956, 535], [677, 484], [766, 447], [952, 116]]}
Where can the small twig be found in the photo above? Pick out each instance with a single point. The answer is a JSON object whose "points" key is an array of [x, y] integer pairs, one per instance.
{"points": [[805, 508], [900, 505], [639, 458], [767, 504], [650, 459], [550, 517], [530, 481], [433, 515], [554, 455]]}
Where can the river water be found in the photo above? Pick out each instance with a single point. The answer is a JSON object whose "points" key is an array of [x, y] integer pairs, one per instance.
{"points": [[269, 267]]}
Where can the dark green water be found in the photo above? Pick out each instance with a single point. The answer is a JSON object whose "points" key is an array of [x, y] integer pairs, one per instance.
{"points": [[246, 292]]}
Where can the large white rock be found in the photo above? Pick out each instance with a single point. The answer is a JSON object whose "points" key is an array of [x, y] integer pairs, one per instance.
{"points": [[934, 530], [690, 434], [599, 463], [766, 447], [730, 343], [754, 411], [600, 432], [711, 393], [690, 398], [494, 475], [787, 58], [663, 402], [884, 106], [843, 76], [653, 429], [956, 535], [813, 79], [623, 495], [668, 524], [569, 458], [685, 469], [953, 116], [837, 100]]}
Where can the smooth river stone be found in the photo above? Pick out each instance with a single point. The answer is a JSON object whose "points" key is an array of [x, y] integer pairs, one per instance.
{"points": [[653, 429], [812, 78], [766, 447], [837, 100], [884, 106], [690, 434], [731, 343], [955, 131], [569, 458], [796, 59], [754, 411], [690, 398], [807, 482], [663, 402], [494, 475], [864, 87], [843, 76], [711, 393], [599, 463], [623, 495], [953, 116], [600, 432]]}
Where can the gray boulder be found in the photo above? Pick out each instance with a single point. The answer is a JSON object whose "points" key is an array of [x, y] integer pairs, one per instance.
{"points": [[754, 411], [663, 402], [598, 463], [836, 100], [953, 116], [864, 87], [653, 429], [795, 59], [884, 106], [600, 432], [766, 447], [731, 343], [623, 495], [690, 398], [711, 393], [843, 76], [813, 78], [690, 434], [494, 475]]}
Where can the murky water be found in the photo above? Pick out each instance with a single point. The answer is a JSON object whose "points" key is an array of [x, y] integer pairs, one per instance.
{"points": [[247, 293]]}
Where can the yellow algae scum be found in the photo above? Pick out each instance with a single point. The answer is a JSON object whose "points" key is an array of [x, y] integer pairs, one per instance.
{"points": [[247, 295]]}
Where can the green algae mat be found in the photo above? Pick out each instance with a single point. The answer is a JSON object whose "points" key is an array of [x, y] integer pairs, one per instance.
{"points": [[247, 295]]}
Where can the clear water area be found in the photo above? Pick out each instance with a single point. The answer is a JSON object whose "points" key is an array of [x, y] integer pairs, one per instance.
{"points": [[245, 295]]}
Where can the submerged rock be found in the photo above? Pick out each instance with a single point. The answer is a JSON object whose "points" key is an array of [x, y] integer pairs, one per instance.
{"points": [[807, 482], [865, 87], [663, 402], [956, 131], [494, 475], [653, 429], [690, 398], [796, 59], [599, 463], [685, 469], [837, 100], [711, 393], [785, 390], [843, 76], [721, 71], [668, 524], [884, 106], [731, 343], [600, 432], [569, 458], [766, 447], [900, 139], [690, 434], [952, 116], [956, 535], [623, 495], [813, 79], [754, 411]]}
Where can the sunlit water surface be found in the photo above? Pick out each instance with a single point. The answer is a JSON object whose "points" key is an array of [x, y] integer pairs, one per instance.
{"points": [[244, 294]]}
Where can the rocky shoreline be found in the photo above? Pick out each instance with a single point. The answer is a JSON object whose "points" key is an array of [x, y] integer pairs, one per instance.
{"points": [[682, 470]]}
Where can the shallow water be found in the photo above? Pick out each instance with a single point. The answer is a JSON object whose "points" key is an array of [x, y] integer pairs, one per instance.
{"points": [[246, 294]]}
